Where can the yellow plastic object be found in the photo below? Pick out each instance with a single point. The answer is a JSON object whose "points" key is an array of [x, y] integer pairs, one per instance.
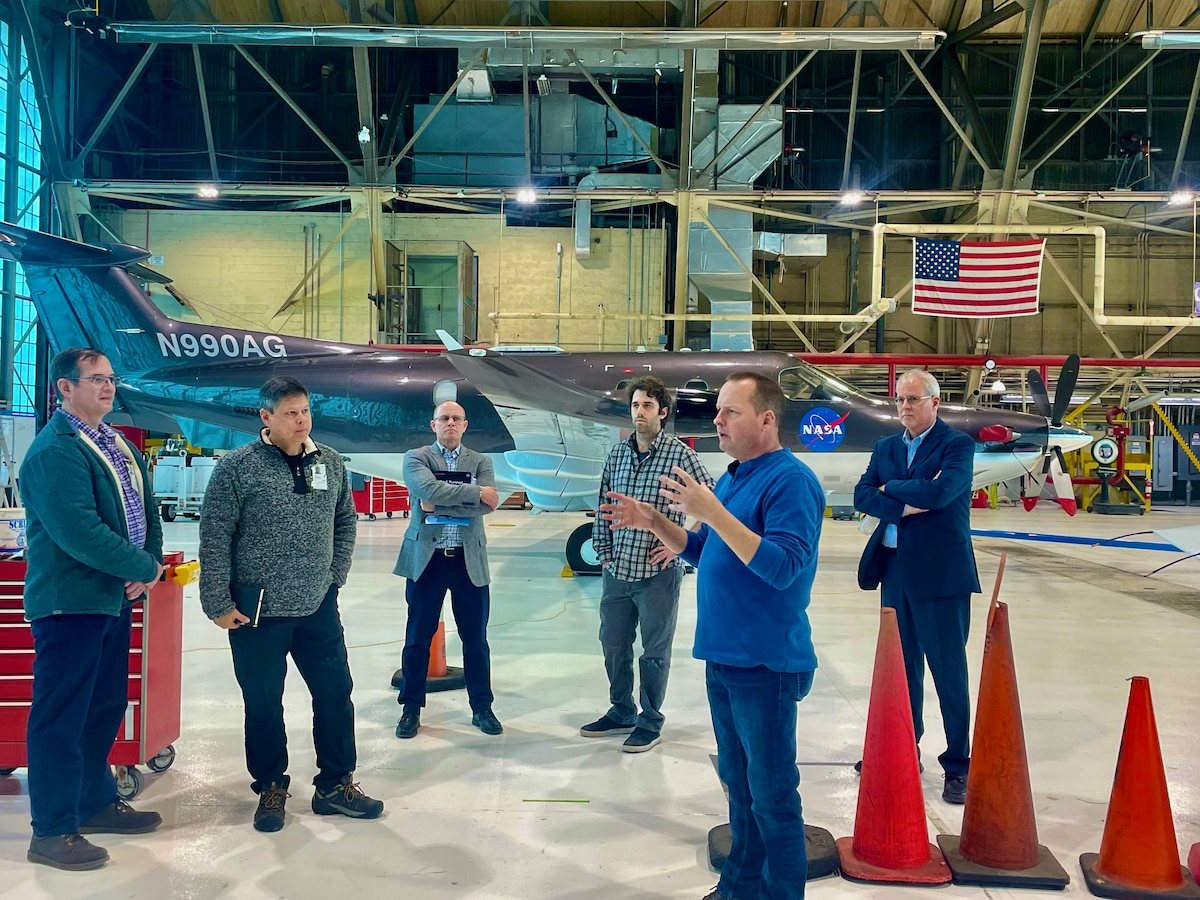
{"points": [[185, 573]]}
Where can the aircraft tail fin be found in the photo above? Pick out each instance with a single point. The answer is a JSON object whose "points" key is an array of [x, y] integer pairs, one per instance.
{"points": [[448, 340], [88, 295]]}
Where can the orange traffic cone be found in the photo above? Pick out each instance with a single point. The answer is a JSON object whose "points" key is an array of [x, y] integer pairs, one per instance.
{"points": [[439, 677], [891, 840], [1139, 856], [999, 843]]}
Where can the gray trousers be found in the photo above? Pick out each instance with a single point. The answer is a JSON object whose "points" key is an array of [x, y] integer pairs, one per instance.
{"points": [[654, 603]]}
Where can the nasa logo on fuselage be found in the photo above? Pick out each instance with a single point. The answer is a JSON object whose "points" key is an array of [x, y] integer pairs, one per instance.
{"points": [[822, 429], [225, 345]]}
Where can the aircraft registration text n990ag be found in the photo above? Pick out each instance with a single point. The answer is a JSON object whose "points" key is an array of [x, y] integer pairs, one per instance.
{"points": [[227, 345]]}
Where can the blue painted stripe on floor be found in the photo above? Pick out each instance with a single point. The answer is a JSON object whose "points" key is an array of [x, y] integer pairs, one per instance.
{"points": [[1073, 539]]}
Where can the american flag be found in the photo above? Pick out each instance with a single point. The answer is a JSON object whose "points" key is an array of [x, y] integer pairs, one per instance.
{"points": [[976, 280]]}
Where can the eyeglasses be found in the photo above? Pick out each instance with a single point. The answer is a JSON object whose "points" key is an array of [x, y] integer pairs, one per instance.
{"points": [[100, 380], [445, 420], [911, 401]]}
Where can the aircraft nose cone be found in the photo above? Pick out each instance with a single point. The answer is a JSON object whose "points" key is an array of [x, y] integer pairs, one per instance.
{"points": [[1068, 438]]}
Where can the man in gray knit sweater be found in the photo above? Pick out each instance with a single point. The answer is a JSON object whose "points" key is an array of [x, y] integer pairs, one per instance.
{"points": [[276, 537]]}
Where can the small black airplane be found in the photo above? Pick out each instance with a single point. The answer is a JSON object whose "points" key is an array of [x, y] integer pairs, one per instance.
{"points": [[546, 417]]}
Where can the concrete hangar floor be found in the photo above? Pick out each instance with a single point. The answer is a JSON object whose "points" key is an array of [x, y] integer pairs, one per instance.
{"points": [[540, 812]]}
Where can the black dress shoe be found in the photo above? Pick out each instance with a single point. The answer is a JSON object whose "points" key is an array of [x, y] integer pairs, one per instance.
{"points": [[485, 720], [409, 725], [955, 789]]}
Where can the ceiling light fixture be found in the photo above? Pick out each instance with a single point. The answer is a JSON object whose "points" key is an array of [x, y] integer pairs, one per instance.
{"points": [[851, 198], [208, 192], [527, 195], [1180, 198]]}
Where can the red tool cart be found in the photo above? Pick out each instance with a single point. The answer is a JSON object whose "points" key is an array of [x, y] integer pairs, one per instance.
{"points": [[155, 660], [378, 495]]}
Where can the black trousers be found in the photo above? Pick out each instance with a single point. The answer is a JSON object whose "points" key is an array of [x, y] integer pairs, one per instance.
{"points": [[934, 629], [471, 605], [317, 646]]}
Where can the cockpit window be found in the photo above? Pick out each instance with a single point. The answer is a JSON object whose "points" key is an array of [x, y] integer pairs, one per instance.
{"points": [[805, 382]]}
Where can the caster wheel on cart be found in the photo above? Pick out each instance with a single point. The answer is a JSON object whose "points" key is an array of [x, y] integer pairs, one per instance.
{"points": [[168, 512], [371, 517], [4, 773], [389, 515], [163, 761], [129, 782]]}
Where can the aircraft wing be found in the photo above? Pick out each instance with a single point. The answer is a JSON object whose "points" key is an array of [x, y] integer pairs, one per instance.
{"points": [[511, 383], [562, 431]]}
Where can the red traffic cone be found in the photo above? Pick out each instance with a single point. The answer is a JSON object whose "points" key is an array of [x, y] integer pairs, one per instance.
{"points": [[891, 839], [1139, 856], [999, 843]]}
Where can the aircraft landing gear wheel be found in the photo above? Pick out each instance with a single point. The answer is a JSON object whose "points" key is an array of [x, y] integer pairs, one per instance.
{"points": [[163, 761], [581, 555], [129, 782], [168, 512]]}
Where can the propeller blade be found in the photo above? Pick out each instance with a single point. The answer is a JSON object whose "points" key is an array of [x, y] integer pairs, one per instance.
{"points": [[1037, 388], [1062, 484], [1031, 489], [1065, 387]]}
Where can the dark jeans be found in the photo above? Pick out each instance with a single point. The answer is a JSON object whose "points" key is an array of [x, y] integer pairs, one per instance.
{"points": [[471, 606], [754, 718], [80, 691], [317, 646], [654, 604], [934, 629]]}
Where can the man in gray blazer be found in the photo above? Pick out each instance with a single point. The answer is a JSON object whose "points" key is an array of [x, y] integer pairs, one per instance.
{"points": [[445, 549]]}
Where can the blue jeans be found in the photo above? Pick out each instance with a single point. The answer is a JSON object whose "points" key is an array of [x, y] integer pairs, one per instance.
{"points": [[80, 691], [754, 718], [652, 603]]}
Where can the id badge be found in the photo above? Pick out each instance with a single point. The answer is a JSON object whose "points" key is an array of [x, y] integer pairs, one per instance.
{"points": [[320, 478]]}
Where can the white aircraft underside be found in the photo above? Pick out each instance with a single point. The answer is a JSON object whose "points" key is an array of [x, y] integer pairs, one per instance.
{"points": [[558, 461]]}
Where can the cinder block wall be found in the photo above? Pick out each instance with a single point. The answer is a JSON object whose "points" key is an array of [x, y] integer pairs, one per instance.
{"points": [[239, 267]]}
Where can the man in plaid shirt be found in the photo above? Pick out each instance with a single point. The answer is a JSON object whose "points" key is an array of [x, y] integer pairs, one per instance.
{"points": [[641, 577]]}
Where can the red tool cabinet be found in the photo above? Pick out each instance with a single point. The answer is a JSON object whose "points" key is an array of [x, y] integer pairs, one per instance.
{"points": [[155, 659], [381, 496]]}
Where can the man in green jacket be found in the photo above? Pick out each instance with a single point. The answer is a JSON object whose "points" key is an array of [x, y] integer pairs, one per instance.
{"points": [[95, 548]]}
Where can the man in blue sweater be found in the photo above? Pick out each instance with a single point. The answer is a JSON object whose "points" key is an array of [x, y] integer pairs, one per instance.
{"points": [[756, 553]]}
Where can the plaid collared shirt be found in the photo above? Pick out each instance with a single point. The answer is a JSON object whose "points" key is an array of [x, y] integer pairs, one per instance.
{"points": [[450, 536], [627, 550], [106, 439]]}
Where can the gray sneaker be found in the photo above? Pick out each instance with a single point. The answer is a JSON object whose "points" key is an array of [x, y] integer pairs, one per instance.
{"points": [[72, 852]]}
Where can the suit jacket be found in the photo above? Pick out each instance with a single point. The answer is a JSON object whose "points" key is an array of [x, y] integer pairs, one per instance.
{"points": [[933, 548], [448, 499]]}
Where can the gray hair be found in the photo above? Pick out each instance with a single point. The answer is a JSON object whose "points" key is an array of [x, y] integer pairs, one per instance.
{"points": [[931, 386], [279, 388]]}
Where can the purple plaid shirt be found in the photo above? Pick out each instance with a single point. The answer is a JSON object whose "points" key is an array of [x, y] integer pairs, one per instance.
{"points": [[106, 439]]}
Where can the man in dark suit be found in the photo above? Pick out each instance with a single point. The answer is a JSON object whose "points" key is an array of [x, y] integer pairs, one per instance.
{"points": [[445, 549], [918, 485]]}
